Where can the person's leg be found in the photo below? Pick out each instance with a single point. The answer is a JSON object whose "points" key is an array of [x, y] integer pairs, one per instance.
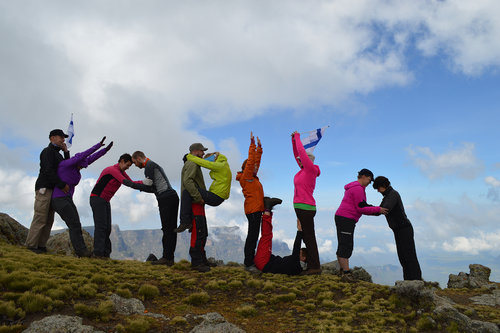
{"points": [[45, 233], [405, 245], [254, 222], [265, 247], [107, 244], [40, 218], [186, 215], [210, 198], [99, 213], [65, 207], [198, 238], [306, 218], [168, 206], [345, 238]]}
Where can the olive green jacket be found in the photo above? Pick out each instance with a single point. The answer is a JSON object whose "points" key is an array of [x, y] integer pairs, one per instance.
{"points": [[192, 179]]}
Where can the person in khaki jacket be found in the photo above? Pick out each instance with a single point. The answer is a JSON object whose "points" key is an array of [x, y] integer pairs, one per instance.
{"points": [[47, 180]]}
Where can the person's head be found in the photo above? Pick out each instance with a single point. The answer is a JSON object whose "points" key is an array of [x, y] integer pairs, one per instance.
{"points": [[303, 255], [311, 157], [381, 184], [57, 137], [125, 161], [197, 149], [365, 177], [138, 159]]}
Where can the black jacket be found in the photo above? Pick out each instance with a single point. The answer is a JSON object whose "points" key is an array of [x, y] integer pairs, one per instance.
{"points": [[49, 161], [396, 218], [287, 265]]}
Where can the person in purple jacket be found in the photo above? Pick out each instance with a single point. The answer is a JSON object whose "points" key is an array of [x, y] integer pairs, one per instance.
{"points": [[62, 202], [351, 208], [303, 201]]}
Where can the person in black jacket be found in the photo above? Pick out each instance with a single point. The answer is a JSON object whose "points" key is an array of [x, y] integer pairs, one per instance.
{"points": [[402, 228], [264, 260], [43, 216], [168, 203]]}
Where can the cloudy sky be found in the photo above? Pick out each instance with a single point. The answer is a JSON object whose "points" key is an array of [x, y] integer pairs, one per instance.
{"points": [[409, 89]]}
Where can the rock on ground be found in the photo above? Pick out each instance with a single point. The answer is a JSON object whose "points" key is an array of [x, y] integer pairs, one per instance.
{"points": [[12, 231], [213, 322], [413, 289], [127, 306], [60, 324], [358, 273], [61, 244], [479, 277]]}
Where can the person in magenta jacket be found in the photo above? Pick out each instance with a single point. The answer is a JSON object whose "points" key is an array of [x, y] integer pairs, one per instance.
{"points": [[303, 201], [62, 202], [109, 182], [351, 208]]}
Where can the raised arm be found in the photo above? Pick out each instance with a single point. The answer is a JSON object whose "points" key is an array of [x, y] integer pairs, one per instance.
{"points": [[250, 166], [258, 155], [300, 150]]}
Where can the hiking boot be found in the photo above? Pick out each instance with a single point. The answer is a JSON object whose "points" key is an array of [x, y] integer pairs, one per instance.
{"points": [[202, 268], [209, 263], [42, 249], [252, 269], [311, 271], [346, 276], [163, 261], [34, 250], [183, 226], [269, 203], [84, 254]]}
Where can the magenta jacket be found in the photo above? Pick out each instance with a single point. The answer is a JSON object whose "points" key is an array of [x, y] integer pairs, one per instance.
{"points": [[350, 205], [69, 170], [305, 180], [109, 182]]}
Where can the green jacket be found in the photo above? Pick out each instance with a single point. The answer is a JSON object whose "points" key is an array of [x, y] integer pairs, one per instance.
{"points": [[192, 179], [220, 173]]}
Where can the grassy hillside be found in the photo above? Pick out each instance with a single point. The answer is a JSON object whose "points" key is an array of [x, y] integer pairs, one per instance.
{"points": [[33, 286]]}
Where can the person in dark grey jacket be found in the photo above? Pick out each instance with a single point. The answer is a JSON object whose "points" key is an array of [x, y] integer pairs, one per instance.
{"points": [[168, 203], [402, 228]]}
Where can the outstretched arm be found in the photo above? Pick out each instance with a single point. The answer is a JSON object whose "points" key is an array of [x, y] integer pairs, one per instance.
{"points": [[204, 163]]}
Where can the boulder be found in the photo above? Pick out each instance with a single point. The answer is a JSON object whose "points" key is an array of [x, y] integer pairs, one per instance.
{"points": [[60, 324], [359, 273], [12, 231], [127, 306], [449, 314], [479, 277], [61, 244], [213, 322], [413, 289]]}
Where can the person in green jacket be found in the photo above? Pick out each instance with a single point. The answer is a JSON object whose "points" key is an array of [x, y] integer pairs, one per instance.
{"points": [[221, 185]]}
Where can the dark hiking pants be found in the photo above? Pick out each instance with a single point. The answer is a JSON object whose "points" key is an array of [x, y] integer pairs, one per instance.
{"points": [[168, 204], [101, 210], [65, 207], [254, 221]]}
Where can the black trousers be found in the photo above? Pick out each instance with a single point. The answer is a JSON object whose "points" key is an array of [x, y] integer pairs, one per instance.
{"points": [[306, 218], [101, 210], [254, 222], [199, 236], [65, 207], [345, 236], [186, 201], [407, 254], [168, 205]]}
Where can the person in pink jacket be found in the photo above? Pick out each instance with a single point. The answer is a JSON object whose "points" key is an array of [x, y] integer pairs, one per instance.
{"points": [[303, 201], [351, 208]]}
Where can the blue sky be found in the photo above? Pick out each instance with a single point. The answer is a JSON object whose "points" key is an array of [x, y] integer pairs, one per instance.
{"points": [[409, 89]]}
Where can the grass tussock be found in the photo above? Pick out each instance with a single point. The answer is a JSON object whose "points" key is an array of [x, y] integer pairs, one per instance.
{"points": [[102, 312], [197, 299], [147, 291]]}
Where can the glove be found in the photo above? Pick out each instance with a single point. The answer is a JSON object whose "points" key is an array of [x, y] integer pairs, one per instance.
{"points": [[147, 181]]}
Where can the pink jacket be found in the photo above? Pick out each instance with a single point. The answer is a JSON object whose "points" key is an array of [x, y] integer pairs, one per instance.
{"points": [[353, 196], [305, 180], [109, 182]]}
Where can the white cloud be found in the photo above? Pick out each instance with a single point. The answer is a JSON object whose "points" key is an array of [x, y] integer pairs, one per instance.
{"points": [[326, 247], [474, 244], [460, 162]]}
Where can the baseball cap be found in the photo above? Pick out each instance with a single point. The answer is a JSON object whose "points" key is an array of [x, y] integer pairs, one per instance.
{"points": [[197, 146], [58, 132], [365, 172]]}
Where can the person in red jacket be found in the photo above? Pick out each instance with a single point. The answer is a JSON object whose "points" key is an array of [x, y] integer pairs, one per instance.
{"points": [[254, 199]]}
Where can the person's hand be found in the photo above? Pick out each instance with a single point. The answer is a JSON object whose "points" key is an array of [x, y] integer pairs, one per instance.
{"points": [[147, 181], [64, 147], [258, 142], [201, 202], [252, 139], [299, 226], [109, 146], [102, 141], [65, 189], [384, 210], [184, 158]]}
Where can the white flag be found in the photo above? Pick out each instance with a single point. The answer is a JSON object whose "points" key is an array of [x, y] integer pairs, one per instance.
{"points": [[311, 139], [71, 133]]}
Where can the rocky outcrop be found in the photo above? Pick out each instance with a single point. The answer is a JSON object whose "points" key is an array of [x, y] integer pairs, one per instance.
{"points": [[12, 231], [492, 299], [359, 273], [215, 323], [130, 306], [60, 324], [479, 277], [61, 244], [415, 289]]}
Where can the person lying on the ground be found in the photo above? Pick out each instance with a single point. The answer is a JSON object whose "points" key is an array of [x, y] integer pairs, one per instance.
{"points": [[267, 262]]}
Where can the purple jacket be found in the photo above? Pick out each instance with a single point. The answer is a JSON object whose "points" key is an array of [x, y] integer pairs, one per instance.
{"points": [[350, 206], [305, 180], [69, 170]]}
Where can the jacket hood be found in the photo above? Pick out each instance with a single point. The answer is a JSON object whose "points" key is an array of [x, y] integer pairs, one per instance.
{"points": [[352, 184], [221, 158]]}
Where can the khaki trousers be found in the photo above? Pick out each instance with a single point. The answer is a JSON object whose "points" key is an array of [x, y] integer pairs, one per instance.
{"points": [[43, 218]]}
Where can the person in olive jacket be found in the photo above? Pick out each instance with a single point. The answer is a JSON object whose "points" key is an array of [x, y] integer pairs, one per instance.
{"points": [[43, 216], [402, 228]]}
